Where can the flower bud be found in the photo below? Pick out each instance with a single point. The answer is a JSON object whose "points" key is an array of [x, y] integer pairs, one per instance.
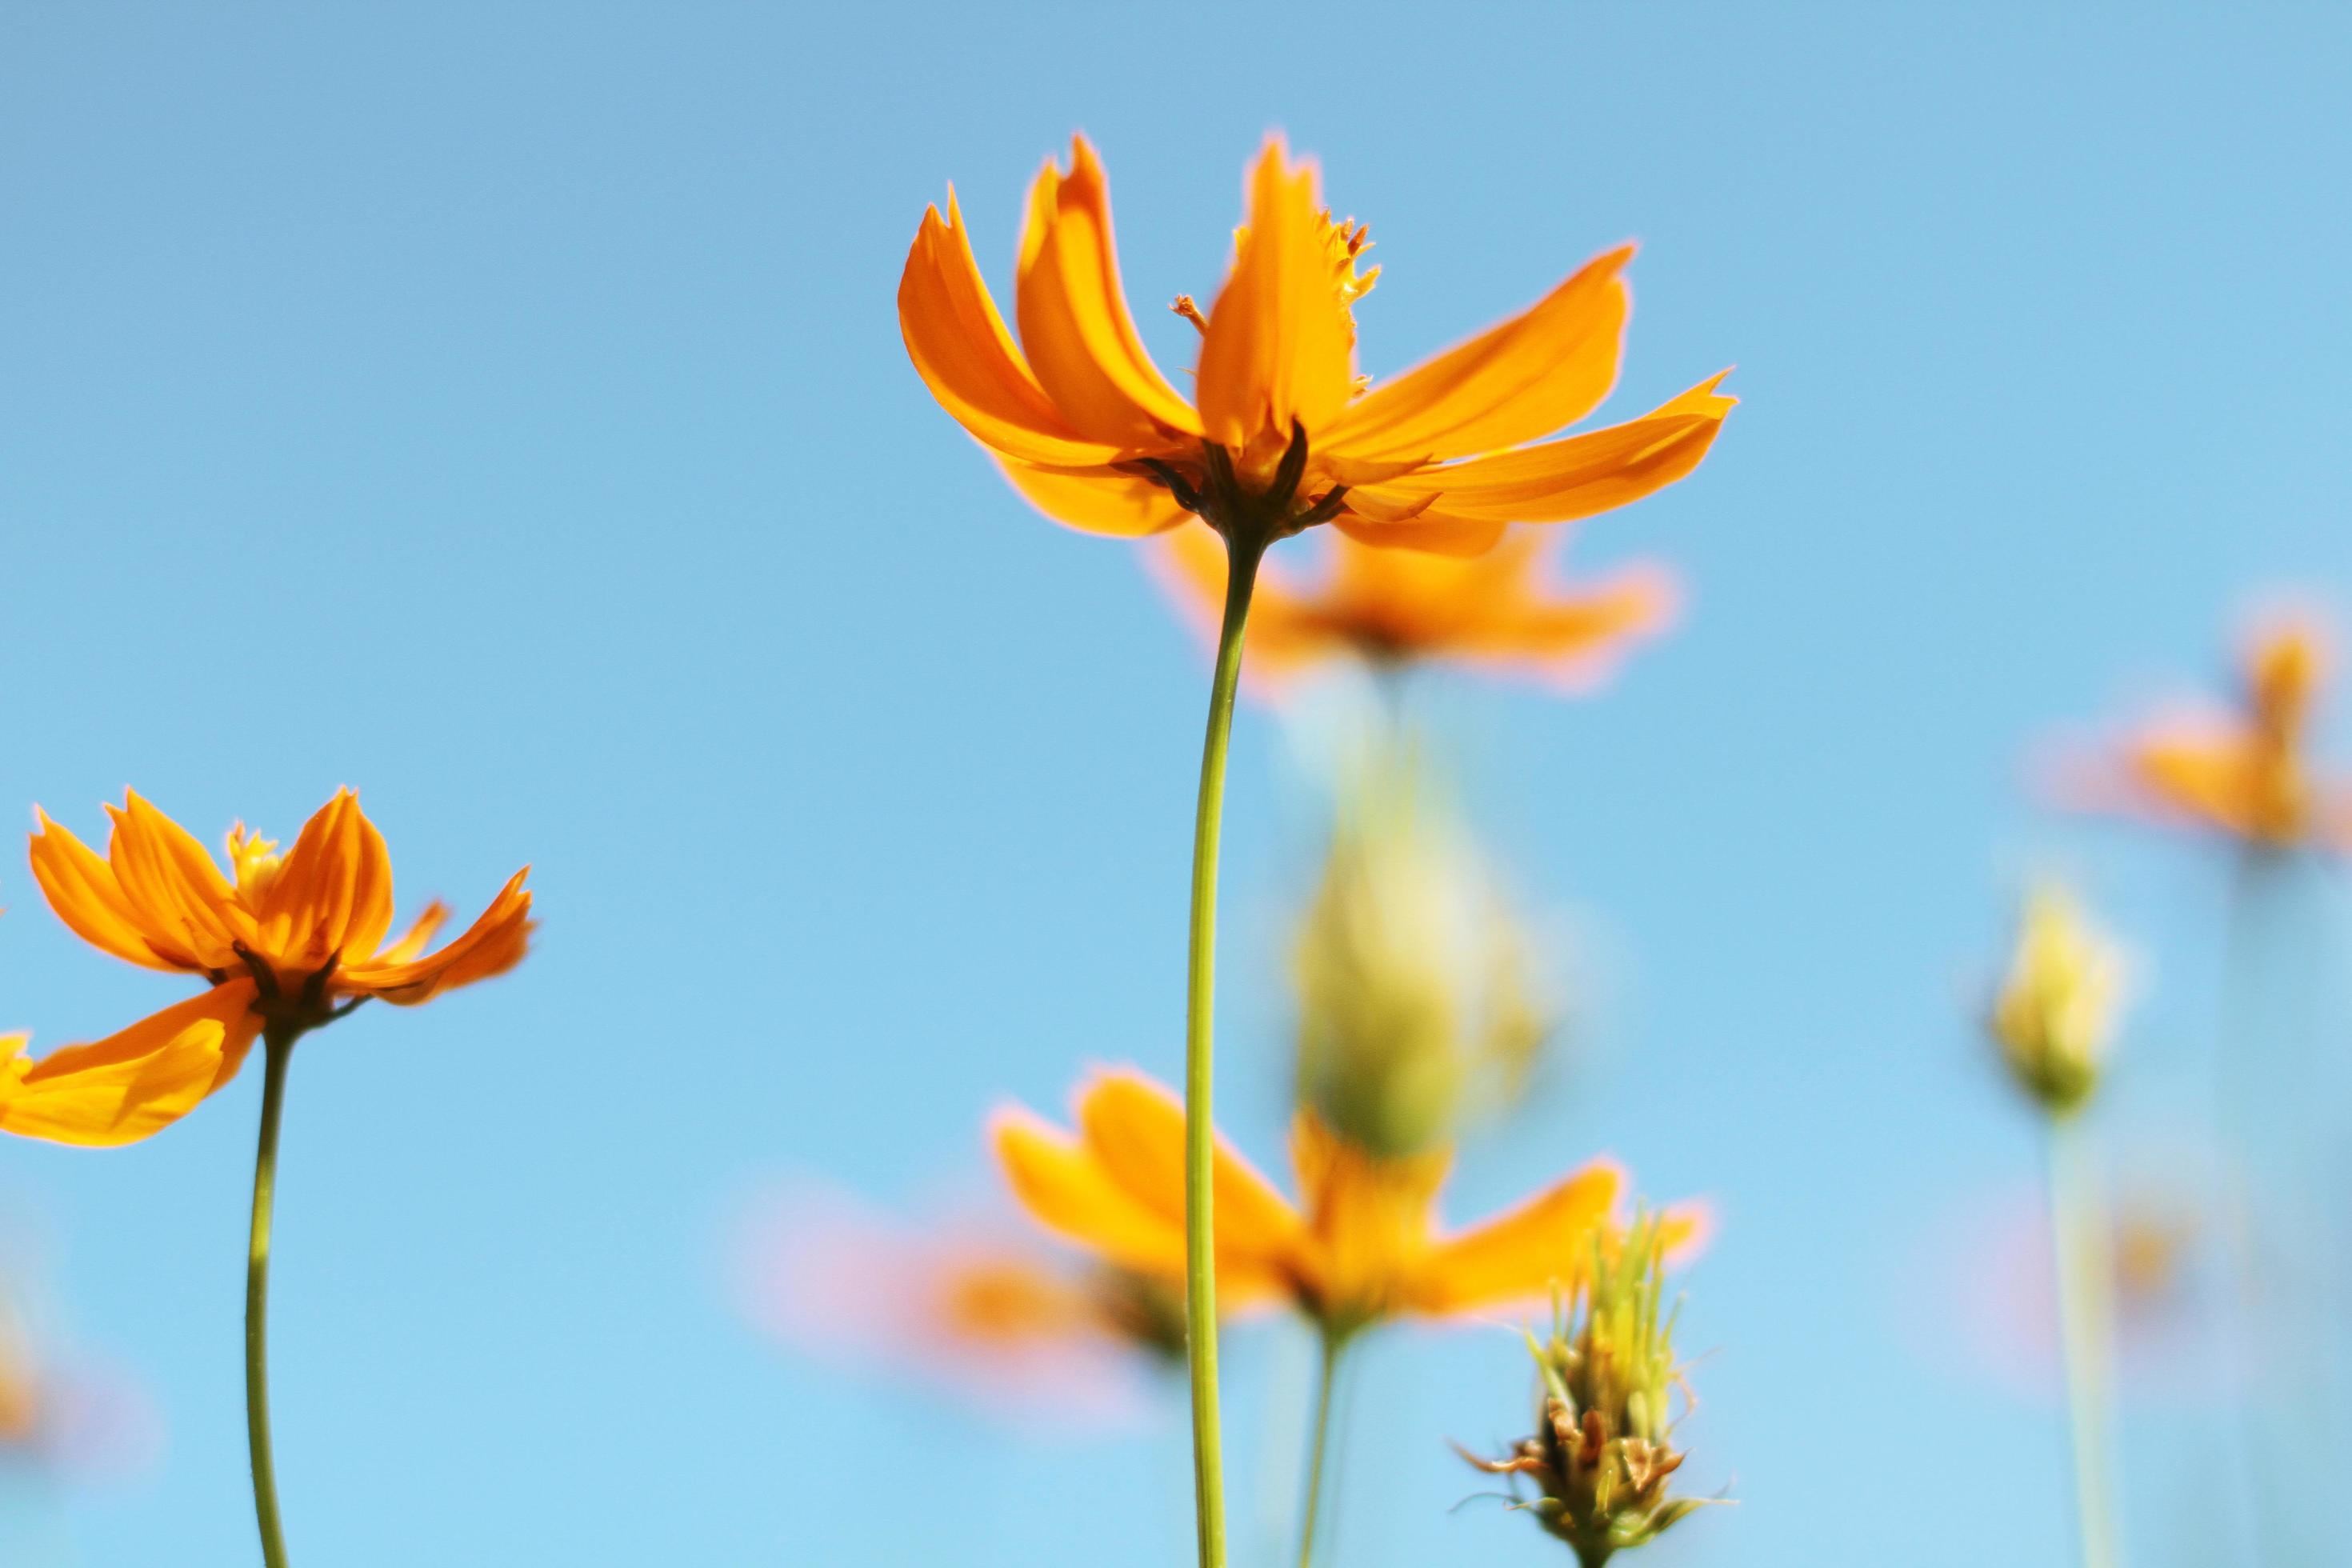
{"points": [[1603, 1448], [1416, 998], [2054, 1014]]}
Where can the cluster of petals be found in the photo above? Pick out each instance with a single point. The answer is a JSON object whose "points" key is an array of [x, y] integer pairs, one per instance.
{"points": [[1503, 612], [280, 940], [1361, 1246], [1087, 427], [2244, 772]]}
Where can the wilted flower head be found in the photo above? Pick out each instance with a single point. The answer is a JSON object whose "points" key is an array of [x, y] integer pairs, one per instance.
{"points": [[1280, 431], [2054, 1014], [1501, 612], [1603, 1451], [1361, 1247], [1417, 1003], [2246, 771]]}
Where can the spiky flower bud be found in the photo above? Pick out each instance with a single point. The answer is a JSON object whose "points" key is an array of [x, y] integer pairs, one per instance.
{"points": [[1417, 999], [2054, 1014], [1603, 1449]]}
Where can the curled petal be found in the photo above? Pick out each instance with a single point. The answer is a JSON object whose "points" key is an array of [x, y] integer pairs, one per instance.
{"points": [[132, 1085], [1540, 372], [1519, 1253], [80, 886], [965, 355], [1562, 480], [1097, 500], [1280, 344], [493, 945], [429, 922], [1081, 343]]}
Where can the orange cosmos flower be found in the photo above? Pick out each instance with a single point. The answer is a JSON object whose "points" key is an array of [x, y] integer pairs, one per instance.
{"points": [[2244, 772], [1362, 1247], [286, 943], [1282, 432], [1500, 611]]}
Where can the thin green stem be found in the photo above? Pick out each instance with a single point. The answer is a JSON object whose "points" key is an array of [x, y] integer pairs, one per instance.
{"points": [[279, 1048], [1334, 1346], [2080, 1244], [1200, 990]]}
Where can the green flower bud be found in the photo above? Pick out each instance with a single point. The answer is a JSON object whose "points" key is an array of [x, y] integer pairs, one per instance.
{"points": [[2054, 1014], [1418, 1005], [1603, 1449]]}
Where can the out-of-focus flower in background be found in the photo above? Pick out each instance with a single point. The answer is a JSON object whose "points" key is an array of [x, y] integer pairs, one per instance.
{"points": [[2054, 1014], [966, 1302], [1419, 1004], [1506, 612], [2244, 771], [1361, 1246], [67, 1414], [1603, 1455], [1088, 429], [283, 941], [1979, 1295]]}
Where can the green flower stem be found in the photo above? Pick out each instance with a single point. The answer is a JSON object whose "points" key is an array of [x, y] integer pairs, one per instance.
{"points": [[2079, 1239], [278, 1045], [1334, 1346], [1200, 989]]}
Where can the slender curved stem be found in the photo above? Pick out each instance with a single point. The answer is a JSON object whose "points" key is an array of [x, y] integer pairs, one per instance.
{"points": [[278, 1048], [1333, 1346], [2078, 1227], [1200, 989]]}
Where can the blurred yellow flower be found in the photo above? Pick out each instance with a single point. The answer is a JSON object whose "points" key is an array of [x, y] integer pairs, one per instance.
{"points": [[2245, 773], [2055, 1013], [285, 943], [1282, 432], [1501, 612], [1362, 1246]]}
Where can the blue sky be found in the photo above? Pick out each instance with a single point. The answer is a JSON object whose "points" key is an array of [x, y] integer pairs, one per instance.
{"points": [[500, 409]]}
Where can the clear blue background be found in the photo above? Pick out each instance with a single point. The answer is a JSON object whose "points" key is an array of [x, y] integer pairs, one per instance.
{"points": [[501, 409]]}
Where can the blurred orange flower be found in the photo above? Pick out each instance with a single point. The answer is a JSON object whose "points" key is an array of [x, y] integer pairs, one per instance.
{"points": [[2246, 772], [1363, 1246], [1500, 611], [286, 943], [994, 1314], [1282, 430]]}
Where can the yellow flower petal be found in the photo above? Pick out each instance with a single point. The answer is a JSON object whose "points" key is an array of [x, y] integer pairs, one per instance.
{"points": [[1066, 1190], [81, 889], [1280, 342], [1134, 1130], [333, 892], [1518, 1253], [1080, 341], [1577, 476], [171, 881], [965, 355], [494, 943], [1096, 501], [133, 1084], [1540, 372]]}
